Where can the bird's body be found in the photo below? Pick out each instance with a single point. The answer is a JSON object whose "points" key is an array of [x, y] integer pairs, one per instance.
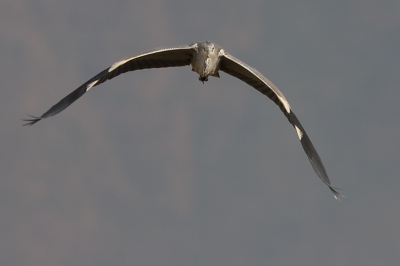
{"points": [[206, 59], [206, 62]]}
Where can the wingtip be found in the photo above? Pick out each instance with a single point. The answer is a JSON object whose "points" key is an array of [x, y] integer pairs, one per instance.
{"points": [[32, 121], [336, 194]]}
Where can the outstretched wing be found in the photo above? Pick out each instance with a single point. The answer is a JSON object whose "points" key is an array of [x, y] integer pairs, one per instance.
{"points": [[156, 58], [251, 76]]}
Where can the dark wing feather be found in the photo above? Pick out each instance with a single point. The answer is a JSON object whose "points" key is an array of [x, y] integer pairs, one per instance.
{"points": [[251, 76], [156, 58]]}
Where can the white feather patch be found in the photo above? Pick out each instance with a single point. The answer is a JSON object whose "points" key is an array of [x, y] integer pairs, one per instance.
{"points": [[117, 64], [90, 85], [285, 103], [299, 132]]}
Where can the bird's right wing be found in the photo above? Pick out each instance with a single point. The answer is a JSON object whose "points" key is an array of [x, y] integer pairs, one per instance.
{"points": [[254, 78], [156, 58]]}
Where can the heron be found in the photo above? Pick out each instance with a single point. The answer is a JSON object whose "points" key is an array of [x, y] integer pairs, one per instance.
{"points": [[207, 59]]}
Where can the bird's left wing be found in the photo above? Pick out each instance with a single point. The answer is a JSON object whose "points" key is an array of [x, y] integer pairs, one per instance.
{"points": [[156, 58], [251, 76]]}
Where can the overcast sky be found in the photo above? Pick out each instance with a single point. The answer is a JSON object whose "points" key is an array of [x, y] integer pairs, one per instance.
{"points": [[155, 168]]}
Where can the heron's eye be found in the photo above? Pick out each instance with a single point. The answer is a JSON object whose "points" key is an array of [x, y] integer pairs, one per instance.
{"points": [[213, 48]]}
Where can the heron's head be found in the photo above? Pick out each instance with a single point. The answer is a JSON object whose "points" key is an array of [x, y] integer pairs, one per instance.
{"points": [[208, 48]]}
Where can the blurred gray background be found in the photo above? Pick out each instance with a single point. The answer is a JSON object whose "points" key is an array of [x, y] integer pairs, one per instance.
{"points": [[155, 168]]}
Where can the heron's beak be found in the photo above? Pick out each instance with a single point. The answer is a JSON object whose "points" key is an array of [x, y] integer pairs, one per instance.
{"points": [[208, 51]]}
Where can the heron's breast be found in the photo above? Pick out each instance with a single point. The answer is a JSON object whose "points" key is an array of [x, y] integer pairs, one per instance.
{"points": [[205, 66]]}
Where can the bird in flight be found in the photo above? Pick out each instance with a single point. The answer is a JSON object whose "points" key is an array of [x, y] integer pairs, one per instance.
{"points": [[206, 59]]}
